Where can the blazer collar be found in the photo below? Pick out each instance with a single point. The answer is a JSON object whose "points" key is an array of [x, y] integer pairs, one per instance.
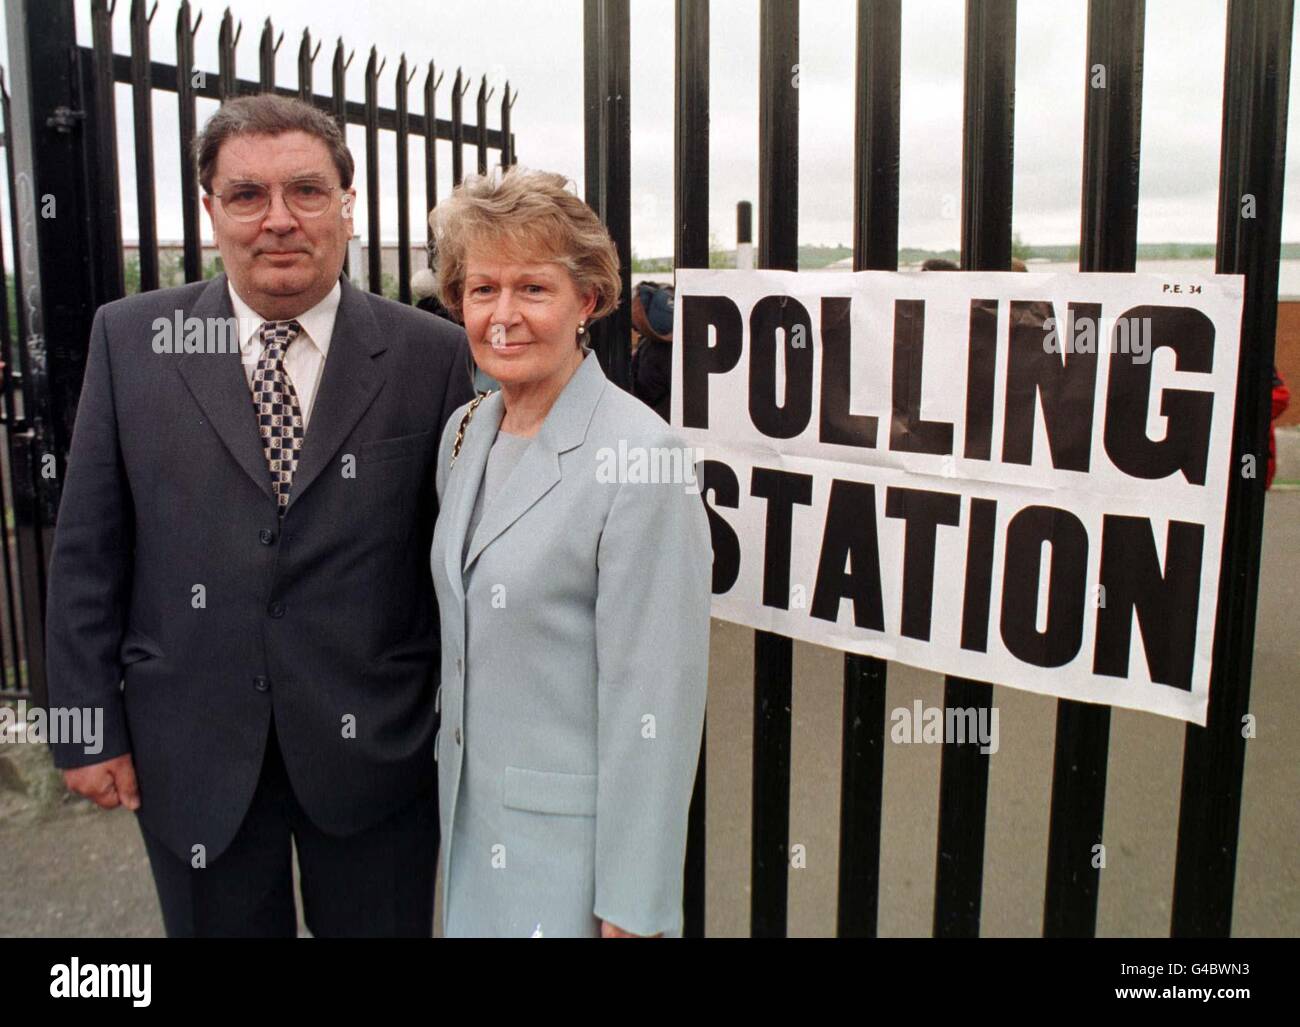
{"points": [[349, 384], [564, 428]]}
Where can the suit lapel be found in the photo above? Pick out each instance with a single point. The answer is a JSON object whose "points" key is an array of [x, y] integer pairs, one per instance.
{"points": [[348, 386], [219, 386], [463, 486], [564, 428]]}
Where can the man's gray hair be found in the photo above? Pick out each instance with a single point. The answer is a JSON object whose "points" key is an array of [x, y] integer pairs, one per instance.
{"points": [[271, 115]]}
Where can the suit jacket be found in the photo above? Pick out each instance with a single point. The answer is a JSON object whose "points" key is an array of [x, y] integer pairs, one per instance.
{"points": [[575, 662], [185, 607]]}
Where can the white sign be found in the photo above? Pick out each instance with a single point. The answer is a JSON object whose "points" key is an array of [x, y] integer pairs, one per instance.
{"points": [[1016, 478]]}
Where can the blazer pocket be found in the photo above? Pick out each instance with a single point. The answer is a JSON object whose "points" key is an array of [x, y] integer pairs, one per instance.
{"points": [[136, 647], [540, 791], [380, 450]]}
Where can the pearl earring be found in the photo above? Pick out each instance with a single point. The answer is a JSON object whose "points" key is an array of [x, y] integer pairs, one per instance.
{"points": [[582, 328]]}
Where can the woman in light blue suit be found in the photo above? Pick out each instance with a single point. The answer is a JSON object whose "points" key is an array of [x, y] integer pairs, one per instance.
{"points": [[573, 592]]}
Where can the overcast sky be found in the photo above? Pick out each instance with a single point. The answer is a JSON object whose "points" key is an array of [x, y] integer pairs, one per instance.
{"points": [[537, 44]]}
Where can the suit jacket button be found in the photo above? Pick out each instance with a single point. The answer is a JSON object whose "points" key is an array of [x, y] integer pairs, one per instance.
{"points": [[458, 736], [459, 666], [266, 536], [276, 609], [437, 700], [262, 684]]}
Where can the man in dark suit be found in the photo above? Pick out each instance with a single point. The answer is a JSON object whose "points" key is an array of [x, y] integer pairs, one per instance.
{"points": [[240, 576]]}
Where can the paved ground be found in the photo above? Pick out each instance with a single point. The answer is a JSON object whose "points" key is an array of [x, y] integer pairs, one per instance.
{"points": [[71, 870]]}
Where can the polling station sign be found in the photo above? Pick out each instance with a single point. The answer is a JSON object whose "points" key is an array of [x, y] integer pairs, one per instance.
{"points": [[1018, 478]]}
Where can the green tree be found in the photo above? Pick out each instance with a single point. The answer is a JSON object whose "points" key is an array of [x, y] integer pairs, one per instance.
{"points": [[718, 257]]}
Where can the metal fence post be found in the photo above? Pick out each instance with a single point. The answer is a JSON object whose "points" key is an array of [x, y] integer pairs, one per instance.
{"points": [[608, 139], [875, 247], [1112, 132], [778, 247], [985, 246], [55, 247], [1252, 159], [691, 249]]}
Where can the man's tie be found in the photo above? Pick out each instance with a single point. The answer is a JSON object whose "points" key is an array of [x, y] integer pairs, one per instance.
{"points": [[279, 418]]}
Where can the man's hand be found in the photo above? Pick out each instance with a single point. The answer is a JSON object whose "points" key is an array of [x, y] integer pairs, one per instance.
{"points": [[108, 785], [608, 930]]}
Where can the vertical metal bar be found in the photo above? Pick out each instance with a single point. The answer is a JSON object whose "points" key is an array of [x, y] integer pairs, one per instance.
{"points": [[266, 57], [306, 58], [373, 70], [27, 538], [142, 109], [985, 246], [875, 247], [193, 252], [690, 249], [611, 337], [339, 107], [13, 653], [481, 114], [56, 284], [593, 104], [228, 39], [744, 235], [1252, 158], [778, 247], [431, 84], [108, 206], [507, 140], [339, 78], [1112, 132], [20, 308], [691, 135], [97, 233], [458, 128], [403, 183]]}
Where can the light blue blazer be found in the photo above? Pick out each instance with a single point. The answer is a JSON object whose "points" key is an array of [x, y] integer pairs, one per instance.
{"points": [[575, 638]]}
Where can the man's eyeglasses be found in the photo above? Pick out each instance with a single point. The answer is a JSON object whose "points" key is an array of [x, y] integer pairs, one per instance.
{"points": [[249, 201]]}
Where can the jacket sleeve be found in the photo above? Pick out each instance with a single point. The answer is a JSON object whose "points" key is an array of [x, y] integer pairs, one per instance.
{"points": [[89, 582], [460, 383], [652, 648]]}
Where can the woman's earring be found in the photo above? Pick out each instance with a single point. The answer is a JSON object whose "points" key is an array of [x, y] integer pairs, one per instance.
{"points": [[582, 329]]}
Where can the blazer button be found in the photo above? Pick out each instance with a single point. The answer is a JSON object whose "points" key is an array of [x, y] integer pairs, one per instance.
{"points": [[276, 609], [437, 700], [266, 536], [262, 684], [459, 666], [457, 734]]}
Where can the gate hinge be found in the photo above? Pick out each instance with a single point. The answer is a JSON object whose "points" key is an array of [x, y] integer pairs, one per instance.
{"points": [[64, 119]]}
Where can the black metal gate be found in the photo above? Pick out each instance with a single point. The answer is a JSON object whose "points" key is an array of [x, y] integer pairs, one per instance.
{"points": [[1253, 150], [59, 133]]}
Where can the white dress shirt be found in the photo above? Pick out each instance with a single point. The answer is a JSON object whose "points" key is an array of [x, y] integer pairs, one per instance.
{"points": [[305, 360]]}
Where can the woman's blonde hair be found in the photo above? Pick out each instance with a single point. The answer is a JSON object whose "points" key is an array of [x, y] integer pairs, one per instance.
{"points": [[527, 215]]}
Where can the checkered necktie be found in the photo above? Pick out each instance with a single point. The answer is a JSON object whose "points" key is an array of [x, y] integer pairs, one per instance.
{"points": [[279, 417]]}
